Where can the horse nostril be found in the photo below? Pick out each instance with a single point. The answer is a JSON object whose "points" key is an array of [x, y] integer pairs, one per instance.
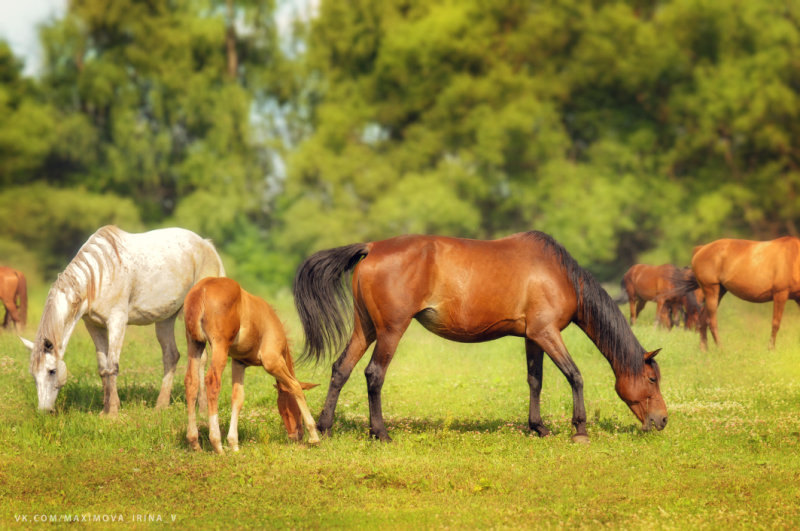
{"points": [[663, 422]]}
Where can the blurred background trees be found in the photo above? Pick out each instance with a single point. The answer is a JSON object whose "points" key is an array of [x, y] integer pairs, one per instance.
{"points": [[631, 131]]}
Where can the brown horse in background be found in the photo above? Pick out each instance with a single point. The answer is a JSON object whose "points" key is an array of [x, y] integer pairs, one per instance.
{"points": [[14, 296], [643, 282], [524, 285], [244, 327], [753, 271]]}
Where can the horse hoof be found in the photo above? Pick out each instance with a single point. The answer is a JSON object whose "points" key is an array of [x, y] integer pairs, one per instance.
{"points": [[580, 439]]}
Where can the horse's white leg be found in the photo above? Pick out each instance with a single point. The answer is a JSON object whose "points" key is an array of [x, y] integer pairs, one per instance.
{"points": [[105, 366], [219, 358], [116, 333], [165, 332], [237, 399]]}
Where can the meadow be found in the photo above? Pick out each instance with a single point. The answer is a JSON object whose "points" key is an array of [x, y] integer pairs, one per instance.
{"points": [[461, 458]]}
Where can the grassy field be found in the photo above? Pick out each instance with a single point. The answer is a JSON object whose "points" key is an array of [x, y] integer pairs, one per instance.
{"points": [[461, 457]]}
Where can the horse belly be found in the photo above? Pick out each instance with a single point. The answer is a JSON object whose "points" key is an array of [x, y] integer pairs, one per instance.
{"points": [[472, 330]]}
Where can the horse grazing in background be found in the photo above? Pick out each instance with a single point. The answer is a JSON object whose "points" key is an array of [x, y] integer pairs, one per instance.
{"points": [[524, 285], [753, 271], [643, 282], [118, 279], [14, 296], [244, 327]]}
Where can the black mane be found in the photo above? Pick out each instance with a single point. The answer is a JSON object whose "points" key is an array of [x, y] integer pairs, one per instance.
{"points": [[598, 316]]}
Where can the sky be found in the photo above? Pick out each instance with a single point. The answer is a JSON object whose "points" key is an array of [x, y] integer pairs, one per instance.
{"points": [[18, 22]]}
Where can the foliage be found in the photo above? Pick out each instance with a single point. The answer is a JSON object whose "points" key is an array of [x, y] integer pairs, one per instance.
{"points": [[631, 131], [461, 456], [53, 223]]}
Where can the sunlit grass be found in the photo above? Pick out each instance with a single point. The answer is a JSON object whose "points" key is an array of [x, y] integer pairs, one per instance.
{"points": [[461, 457]]}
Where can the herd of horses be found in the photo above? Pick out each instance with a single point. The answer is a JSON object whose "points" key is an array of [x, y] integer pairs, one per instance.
{"points": [[525, 285]]}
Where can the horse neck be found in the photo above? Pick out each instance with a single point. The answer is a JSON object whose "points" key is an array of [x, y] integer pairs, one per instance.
{"points": [[61, 314], [606, 327]]}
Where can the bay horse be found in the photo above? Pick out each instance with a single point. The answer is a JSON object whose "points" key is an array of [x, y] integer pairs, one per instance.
{"points": [[14, 296], [755, 271], [643, 282], [524, 285], [116, 279], [245, 328]]}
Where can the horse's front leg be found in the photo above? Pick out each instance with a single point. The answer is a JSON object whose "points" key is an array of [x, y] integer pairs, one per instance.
{"points": [[165, 332], [237, 399], [107, 366], [550, 340], [535, 357]]}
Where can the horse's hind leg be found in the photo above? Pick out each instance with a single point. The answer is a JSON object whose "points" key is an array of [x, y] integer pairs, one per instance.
{"points": [[359, 342], [385, 347], [165, 332], [778, 304], [192, 383], [535, 356], [219, 358]]}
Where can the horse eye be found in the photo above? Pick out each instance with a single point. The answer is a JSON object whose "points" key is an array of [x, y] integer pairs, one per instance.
{"points": [[48, 346], [653, 380], [51, 372]]}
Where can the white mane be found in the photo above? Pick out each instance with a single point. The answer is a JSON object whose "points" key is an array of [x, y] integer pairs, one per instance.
{"points": [[81, 280]]}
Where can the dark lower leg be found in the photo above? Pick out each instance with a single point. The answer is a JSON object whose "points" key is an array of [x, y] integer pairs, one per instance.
{"points": [[535, 356]]}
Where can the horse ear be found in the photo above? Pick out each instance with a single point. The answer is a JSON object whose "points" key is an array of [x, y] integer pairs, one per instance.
{"points": [[28, 344], [650, 355]]}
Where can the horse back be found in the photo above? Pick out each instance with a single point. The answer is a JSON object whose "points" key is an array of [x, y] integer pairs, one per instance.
{"points": [[751, 270], [463, 289]]}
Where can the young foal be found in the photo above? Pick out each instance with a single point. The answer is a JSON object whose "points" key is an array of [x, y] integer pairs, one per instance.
{"points": [[244, 327]]}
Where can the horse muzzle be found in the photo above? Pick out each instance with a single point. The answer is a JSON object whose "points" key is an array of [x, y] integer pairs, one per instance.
{"points": [[656, 421]]}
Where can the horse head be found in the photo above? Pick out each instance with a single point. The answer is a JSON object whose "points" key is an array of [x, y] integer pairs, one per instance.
{"points": [[290, 411], [48, 370], [643, 395]]}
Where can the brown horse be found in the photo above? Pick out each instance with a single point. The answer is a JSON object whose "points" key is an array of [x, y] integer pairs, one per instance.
{"points": [[643, 282], [524, 285], [753, 271], [244, 327], [14, 296]]}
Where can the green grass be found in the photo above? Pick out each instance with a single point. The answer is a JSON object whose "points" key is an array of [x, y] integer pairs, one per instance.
{"points": [[461, 457]]}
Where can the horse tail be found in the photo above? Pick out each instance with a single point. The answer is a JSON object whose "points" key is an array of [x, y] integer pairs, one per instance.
{"points": [[685, 282], [622, 298], [194, 313], [321, 298], [22, 293]]}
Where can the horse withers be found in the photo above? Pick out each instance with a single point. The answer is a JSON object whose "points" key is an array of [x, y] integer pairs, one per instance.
{"points": [[524, 285], [245, 328], [754, 271], [116, 279], [14, 297]]}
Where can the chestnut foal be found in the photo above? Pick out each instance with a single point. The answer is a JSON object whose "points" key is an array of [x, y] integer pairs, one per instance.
{"points": [[244, 327]]}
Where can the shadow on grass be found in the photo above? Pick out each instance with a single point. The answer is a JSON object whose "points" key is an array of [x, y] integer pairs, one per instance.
{"points": [[85, 394], [355, 424]]}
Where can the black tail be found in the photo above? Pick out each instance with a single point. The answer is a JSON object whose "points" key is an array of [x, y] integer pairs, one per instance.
{"points": [[684, 281], [322, 299], [622, 298]]}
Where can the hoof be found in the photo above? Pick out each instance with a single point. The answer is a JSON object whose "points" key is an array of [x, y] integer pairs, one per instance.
{"points": [[540, 430], [195, 446], [580, 439], [382, 436]]}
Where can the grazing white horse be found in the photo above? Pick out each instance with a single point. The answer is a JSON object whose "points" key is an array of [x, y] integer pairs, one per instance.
{"points": [[118, 279]]}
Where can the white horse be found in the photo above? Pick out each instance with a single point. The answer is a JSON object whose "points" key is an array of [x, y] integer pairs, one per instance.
{"points": [[118, 279]]}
